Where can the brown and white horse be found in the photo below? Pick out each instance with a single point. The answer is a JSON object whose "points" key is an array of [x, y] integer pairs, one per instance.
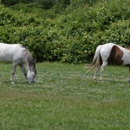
{"points": [[109, 53]]}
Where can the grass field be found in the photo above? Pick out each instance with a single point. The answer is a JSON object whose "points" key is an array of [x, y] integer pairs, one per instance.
{"points": [[65, 98]]}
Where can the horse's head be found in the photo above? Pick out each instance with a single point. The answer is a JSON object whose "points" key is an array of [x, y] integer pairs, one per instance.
{"points": [[32, 73], [31, 77]]}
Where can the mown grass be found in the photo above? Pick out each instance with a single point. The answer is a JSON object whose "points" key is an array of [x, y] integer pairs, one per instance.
{"points": [[65, 98]]}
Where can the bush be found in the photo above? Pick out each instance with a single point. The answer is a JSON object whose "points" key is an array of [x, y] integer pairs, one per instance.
{"points": [[13, 2], [69, 36]]}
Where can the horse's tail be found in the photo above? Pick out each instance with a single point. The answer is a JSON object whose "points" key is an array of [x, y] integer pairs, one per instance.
{"points": [[96, 56], [96, 59]]}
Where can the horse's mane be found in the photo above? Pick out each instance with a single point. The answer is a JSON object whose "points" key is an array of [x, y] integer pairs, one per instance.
{"points": [[30, 59]]}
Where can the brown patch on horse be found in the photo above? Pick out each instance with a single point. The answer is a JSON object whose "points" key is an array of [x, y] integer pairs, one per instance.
{"points": [[128, 48], [116, 55]]}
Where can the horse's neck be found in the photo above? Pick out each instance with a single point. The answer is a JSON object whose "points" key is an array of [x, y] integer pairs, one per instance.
{"points": [[29, 66], [28, 60]]}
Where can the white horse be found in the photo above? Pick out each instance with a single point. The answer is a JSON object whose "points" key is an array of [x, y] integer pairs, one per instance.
{"points": [[109, 53], [18, 55]]}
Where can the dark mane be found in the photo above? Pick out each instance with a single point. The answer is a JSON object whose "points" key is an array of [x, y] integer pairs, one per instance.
{"points": [[31, 61]]}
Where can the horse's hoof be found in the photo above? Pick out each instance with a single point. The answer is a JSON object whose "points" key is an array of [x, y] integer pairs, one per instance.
{"points": [[94, 78], [100, 79]]}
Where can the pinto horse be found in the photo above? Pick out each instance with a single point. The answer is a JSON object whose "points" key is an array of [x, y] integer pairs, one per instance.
{"points": [[18, 55], [109, 53]]}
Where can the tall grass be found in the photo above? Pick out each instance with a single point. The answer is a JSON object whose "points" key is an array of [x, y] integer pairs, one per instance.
{"points": [[65, 98]]}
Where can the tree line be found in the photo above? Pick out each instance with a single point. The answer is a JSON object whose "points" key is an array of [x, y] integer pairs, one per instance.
{"points": [[47, 4], [66, 34]]}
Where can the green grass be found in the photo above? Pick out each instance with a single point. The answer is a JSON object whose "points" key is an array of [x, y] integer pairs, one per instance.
{"points": [[65, 98]]}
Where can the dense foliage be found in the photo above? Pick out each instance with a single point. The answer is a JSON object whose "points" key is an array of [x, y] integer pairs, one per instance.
{"points": [[66, 33]]}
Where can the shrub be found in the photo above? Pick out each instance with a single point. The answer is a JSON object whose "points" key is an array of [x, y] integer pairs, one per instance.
{"points": [[69, 36]]}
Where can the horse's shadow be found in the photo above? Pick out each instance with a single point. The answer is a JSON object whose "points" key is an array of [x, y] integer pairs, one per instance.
{"points": [[15, 83], [112, 81], [115, 81]]}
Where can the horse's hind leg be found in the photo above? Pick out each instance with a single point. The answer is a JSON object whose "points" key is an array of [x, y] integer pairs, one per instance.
{"points": [[102, 68], [13, 72], [24, 72], [95, 74]]}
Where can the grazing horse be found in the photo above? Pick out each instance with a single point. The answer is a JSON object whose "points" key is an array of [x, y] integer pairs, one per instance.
{"points": [[18, 55], [109, 53]]}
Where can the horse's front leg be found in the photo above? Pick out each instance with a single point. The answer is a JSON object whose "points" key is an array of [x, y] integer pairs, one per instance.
{"points": [[24, 72], [13, 72]]}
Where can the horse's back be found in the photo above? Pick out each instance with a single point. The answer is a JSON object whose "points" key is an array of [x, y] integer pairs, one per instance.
{"points": [[106, 50], [9, 47], [9, 51], [116, 54]]}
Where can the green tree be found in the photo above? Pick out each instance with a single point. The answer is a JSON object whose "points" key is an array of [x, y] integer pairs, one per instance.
{"points": [[13, 2]]}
